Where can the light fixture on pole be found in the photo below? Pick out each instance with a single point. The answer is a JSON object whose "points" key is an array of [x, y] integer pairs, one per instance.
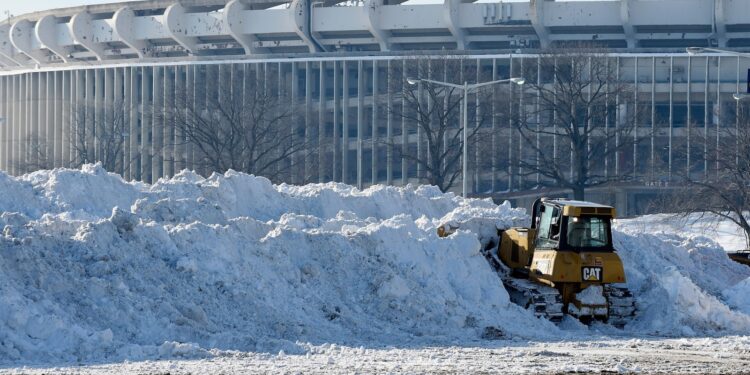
{"points": [[692, 51], [466, 87]]}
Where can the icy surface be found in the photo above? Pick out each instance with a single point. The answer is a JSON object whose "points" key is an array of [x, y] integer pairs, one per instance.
{"points": [[93, 268]]}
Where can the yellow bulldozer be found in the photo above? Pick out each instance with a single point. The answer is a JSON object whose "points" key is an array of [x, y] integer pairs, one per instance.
{"points": [[564, 263]]}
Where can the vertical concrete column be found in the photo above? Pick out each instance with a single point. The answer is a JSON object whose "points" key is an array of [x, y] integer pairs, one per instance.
{"points": [[67, 112], [539, 124], [510, 127], [58, 119], [157, 133], [493, 140], [50, 139], [589, 92], [15, 132], [478, 115], [5, 140], [522, 114], [280, 95], [404, 133], [706, 86], [13, 144], [334, 152], [718, 111], [689, 116], [189, 108], [133, 128], [100, 120], [126, 116], [20, 134], [39, 137], [120, 118], [308, 123], [671, 113], [79, 119], [322, 149], [294, 100], [211, 84], [43, 155], [180, 105], [107, 137], [32, 121], [9, 94], [29, 114], [360, 122], [635, 120], [130, 121], [374, 138], [389, 126], [168, 155], [3, 120], [554, 113], [653, 116], [90, 111], [345, 124], [146, 124], [208, 81], [417, 125]]}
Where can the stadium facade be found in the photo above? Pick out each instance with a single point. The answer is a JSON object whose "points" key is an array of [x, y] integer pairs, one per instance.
{"points": [[336, 59]]}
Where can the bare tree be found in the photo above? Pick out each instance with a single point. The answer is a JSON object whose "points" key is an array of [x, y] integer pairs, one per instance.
{"points": [[575, 118], [37, 157], [243, 126], [433, 112], [99, 135], [722, 194]]}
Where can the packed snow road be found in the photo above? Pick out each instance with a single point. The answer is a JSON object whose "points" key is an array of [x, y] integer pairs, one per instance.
{"points": [[228, 271], [622, 355]]}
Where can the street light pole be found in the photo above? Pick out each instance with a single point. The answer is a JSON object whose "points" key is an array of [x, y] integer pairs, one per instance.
{"points": [[466, 87], [465, 161]]}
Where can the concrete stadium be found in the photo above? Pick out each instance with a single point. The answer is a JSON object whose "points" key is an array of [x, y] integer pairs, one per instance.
{"points": [[337, 59]]}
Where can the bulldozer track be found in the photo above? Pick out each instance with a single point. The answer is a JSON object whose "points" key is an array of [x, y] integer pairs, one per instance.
{"points": [[545, 301], [621, 305]]}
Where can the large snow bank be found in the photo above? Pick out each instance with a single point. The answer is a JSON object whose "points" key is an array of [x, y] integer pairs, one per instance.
{"points": [[680, 282], [94, 268]]}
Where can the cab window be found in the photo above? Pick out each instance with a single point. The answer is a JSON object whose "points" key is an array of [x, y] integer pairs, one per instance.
{"points": [[588, 232], [549, 227]]}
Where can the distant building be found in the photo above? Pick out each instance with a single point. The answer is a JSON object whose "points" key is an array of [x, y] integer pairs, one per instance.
{"points": [[336, 59]]}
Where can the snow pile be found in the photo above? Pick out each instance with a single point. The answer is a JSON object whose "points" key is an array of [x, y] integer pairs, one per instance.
{"points": [[738, 296], [95, 268], [680, 282]]}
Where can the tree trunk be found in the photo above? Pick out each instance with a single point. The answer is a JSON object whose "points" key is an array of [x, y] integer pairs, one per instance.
{"points": [[579, 193]]}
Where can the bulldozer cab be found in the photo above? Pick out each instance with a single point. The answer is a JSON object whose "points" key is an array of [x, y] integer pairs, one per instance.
{"points": [[572, 225]]}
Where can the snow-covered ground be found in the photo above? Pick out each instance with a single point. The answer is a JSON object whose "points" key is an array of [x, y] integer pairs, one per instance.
{"points": [[724, 232], [200, 275]]}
